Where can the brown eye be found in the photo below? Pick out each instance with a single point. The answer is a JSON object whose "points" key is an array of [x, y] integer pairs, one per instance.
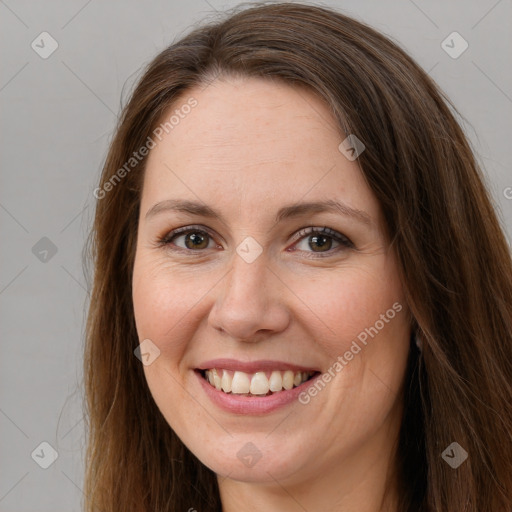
{"points": [[191, 239], [319, 243], [196, 240]]}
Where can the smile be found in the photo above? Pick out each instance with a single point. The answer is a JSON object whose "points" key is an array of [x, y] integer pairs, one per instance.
{"points": [[260, 383], [253, 387]]}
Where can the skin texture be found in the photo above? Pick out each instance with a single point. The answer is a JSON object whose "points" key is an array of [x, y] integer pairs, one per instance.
{"points": [[248, 148]]}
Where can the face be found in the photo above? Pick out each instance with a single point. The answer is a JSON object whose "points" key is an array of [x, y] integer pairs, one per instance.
{"points": [[244, 264]]}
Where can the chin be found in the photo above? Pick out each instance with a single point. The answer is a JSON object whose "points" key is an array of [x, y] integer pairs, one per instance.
{"points": [[245, 462]]}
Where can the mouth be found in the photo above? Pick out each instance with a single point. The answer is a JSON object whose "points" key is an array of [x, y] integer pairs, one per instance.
{"points": [[256, 384]]}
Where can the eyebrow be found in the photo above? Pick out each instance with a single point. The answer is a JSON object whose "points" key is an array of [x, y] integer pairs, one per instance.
{"points": [[286, 212]]}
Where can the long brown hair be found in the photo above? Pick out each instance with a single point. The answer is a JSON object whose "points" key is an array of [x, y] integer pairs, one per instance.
{"points": [[454, 262]]}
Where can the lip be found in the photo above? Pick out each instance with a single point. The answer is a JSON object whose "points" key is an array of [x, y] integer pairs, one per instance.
{"points": [[252, 405], [253, 366]]}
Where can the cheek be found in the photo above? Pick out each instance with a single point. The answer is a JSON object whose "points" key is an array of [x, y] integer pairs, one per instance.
{"points": [[166, 303], [157, 301], [344, 304], [163, 302]]}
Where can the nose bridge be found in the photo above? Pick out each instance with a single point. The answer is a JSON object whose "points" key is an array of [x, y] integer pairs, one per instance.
{"points": [[246, 303], [247, 282]]}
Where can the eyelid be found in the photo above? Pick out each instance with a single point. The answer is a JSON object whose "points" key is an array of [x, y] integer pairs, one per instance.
{"points": [[311, 230], [302, 233], [183, 230], [344, 243]]}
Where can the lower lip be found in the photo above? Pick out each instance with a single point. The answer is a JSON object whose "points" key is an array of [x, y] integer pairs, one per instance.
{"points": [[256, 405]]}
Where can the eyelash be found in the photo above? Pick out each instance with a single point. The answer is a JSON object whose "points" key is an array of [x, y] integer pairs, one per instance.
{"points": [[344, 242]]}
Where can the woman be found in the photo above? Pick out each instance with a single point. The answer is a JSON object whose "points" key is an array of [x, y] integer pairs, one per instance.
{"points": [[374, 376]]}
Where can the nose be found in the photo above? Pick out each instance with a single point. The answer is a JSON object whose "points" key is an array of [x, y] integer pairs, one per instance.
{"points": [[249, 305]]}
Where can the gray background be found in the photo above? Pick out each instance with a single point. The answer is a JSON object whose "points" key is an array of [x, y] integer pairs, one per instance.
{"points": [[58, 115]]}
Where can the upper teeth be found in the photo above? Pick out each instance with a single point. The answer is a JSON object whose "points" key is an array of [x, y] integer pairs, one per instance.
{"points": [[259, 383]]}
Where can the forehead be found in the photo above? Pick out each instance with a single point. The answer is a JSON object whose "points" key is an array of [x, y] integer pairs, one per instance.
{"points": [[252, 142]]}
